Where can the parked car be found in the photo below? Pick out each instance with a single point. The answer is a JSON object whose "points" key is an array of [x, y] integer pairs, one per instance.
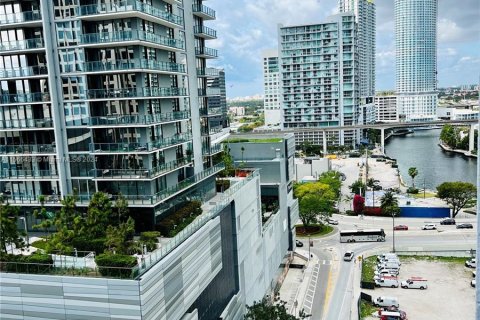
{"points": [[472, 263], [473, 283], [390, 282], [429, 226], [447, 221], [400, 227], [415, 283], [385, 272], [332, 221], [465, 226], [392, 315], [299, 243], [386, 302], [348, 256]]}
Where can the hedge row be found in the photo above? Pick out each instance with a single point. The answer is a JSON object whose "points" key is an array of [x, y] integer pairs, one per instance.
{"points": [[116, 265], [85, 244], [35, 263], [174, 223]]}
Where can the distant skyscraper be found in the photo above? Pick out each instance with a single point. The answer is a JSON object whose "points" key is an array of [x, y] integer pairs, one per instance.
{"points": [[319, 78], [271, 78], [416, 59], [217, 99], [364, 11]]}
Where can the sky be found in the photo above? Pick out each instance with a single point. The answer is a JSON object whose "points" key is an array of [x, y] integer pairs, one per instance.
{"points": [[245, 28]]}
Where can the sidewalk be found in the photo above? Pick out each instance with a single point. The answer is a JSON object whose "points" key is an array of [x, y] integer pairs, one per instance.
{"points": [[298, 288]]}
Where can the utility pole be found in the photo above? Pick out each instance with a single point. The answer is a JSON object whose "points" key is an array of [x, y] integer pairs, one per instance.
{"points": [[393, 230], [423, 187]]}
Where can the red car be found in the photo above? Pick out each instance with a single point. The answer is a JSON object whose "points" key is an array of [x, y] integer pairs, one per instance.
{"points": [[400, 227]]}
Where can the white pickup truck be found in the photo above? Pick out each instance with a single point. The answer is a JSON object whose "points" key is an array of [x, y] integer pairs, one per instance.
{"points": [[415, 283]]}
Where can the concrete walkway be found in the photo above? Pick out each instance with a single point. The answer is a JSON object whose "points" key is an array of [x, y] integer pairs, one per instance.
{"points": [[298, 288]]}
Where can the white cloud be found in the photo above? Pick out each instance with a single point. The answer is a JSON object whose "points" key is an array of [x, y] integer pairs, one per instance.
{"points": [[449, 31]]}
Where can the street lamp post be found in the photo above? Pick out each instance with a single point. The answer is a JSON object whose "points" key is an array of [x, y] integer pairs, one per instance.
{"points": [[393, 230]]}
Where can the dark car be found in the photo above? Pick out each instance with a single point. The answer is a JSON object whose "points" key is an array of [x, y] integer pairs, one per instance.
{"points": [[299, 243], [465, 226], [447, 221], [400, 227]]}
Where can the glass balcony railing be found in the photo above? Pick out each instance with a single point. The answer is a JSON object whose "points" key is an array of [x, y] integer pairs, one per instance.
{"points": [[19, 17], [28, 148], [133, 35], [211, 111], [208, 72], [26, 123], [140, 147], [24, 72], [204, 51], [24, 97], [209, 92], [204, 10], [27, 174], [129, 5], [120, 120], [211, 150], [113, 174], [22, 44], [135, 93], [93, 66], [202, 30]]}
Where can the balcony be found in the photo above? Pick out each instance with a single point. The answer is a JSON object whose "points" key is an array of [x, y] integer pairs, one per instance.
{"points": [[28, 149], [140, 174], [26, 19], [205, 32], [209, 92], [128, 9], [138, 120], [140, 147], [211, 112], [136, 65], [208, 72], [17, 124], [22, 45], [203, 11], [207, 53], [134, 37], [129, 93], [13, 174], [34, 71], [22, 98], [214, 149]]}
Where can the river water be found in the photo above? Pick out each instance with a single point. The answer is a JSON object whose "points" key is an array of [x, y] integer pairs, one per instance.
{"points": [[434, 165]]}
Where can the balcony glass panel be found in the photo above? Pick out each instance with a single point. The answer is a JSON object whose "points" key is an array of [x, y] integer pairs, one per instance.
{"points": [[206, 51], [28, 148], [22, 44], [205, 30], [139, 119], [135, 93], [25, 174], [140, 173], [26, 16], [130, 5], [117, 65], [26, 123], [204, 9], [140, 147], [23, 72], [24, 97], [134, 35]]}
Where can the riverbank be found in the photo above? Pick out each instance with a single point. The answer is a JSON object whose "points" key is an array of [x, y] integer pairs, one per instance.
{"points": [[459, 151]]}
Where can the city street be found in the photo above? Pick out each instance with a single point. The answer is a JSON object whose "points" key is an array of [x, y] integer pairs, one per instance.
{"points": [[335, 287]]}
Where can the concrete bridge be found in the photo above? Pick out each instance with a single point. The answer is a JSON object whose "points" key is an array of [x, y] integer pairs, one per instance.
{"points": [[380, 126]]}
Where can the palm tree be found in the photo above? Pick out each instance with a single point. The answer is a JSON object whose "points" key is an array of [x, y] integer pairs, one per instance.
{"points": [[371, 183], [413, 172], [389, 205]]}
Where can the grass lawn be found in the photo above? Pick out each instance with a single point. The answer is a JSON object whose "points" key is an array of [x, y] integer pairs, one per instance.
{"points": [[458, 260], [366, 309], [368, 268], [419, 195], [324, 230]]}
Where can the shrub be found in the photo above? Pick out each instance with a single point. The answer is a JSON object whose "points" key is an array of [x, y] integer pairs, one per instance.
{"points": [[149, 238], [35, 263], [116, 265], [412, 190], [350, 213], [181, 218], [222, 185], [85, 244], [40, 244]]}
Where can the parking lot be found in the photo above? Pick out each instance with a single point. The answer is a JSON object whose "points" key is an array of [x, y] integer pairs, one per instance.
{"points": [[449, 294]]}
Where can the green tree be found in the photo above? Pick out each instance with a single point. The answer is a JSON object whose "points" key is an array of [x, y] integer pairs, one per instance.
{"points": [[456, 194], [389, 204], [46, 223], [120, 211], [117, 237], [314, 188], [263, 310], [9, 233], [413, 172], [357, 187], [372, 183], [99, 214], [68, 223], [228, 162], [332, 179], [312, 208], [450, 136]]}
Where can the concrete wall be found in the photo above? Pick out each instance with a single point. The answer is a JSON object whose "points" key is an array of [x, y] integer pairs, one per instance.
{"points": [[314, 169]]}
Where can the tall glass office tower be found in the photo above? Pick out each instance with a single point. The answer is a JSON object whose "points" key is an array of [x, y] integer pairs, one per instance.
{"points": [[416, 59]]}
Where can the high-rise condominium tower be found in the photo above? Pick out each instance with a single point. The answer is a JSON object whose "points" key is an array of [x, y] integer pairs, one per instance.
{"points": [[271, 79], [319, 78], [364, 11], [416, 59]]}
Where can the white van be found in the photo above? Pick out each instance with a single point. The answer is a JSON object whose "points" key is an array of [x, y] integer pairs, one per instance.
{"points": [[415, 283], [387, 255], [390, 282], [385, 273], [390, 260], [386, 302]]}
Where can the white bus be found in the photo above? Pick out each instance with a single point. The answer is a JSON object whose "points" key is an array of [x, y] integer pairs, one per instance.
{"points": [[362, 235]]}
